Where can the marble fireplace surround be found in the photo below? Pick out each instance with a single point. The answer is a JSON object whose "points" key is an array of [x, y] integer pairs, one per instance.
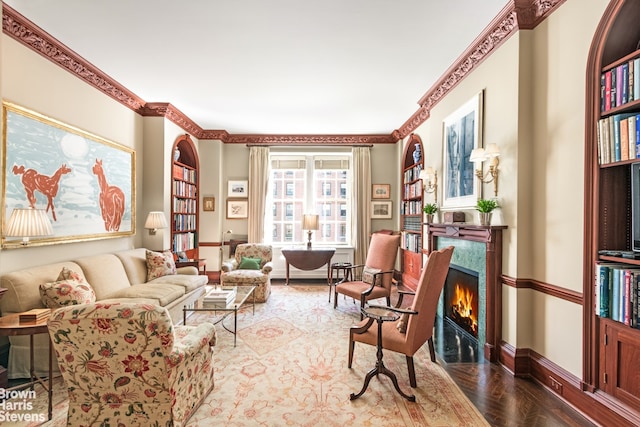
{"points": [[477, 248]]}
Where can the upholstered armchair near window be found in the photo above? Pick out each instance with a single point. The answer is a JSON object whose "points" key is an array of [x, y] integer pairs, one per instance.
{"points": [[415, 325], [126, 364], [372, 279], [250, 266]]}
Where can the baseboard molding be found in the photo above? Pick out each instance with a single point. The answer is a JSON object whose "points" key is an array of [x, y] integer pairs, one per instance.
{"points": [[598, 406]]}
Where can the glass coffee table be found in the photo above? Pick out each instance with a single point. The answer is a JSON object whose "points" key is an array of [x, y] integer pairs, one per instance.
{"points": [[242, 295]]}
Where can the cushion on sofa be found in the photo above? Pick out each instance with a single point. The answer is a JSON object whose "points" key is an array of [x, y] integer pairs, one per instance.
{"points": [[164, 293], [188, 281], [105, 273], [70, 289], [159, 264]]}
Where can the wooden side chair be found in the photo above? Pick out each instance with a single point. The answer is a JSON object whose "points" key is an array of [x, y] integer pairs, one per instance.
{"points": [[415, 325], [372, 279]]}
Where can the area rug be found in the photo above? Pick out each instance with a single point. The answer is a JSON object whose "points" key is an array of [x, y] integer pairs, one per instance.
{"points": [[289, 368]]}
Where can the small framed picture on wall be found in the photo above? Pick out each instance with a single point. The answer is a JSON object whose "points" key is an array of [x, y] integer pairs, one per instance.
{"points": [[208, 204], [238, 189], [382, 210], [237, 208], [381, 191]]}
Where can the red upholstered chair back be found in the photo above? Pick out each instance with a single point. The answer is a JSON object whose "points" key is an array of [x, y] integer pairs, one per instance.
{"points": [[382, 254]]}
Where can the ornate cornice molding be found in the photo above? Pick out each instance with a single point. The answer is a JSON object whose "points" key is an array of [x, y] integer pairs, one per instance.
{"points": [[520, 14], [168, 111], [310, 139], [32, 36]]}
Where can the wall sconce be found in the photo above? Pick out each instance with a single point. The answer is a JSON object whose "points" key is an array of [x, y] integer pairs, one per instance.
{"points": [[480, 155], [28, 222], [310, 222], [154, 221], [429, 177]]}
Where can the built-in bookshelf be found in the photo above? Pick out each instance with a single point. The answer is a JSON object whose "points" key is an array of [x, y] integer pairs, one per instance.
{"points": [[411, 211], [611, 273], [184, 197]]}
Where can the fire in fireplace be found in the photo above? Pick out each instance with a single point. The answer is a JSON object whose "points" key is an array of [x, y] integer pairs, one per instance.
{"points": [[461, 298]]}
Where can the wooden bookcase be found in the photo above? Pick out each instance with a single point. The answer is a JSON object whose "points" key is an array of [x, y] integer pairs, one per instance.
{"points": [[611, 348], [184, 197], [411, 212]]}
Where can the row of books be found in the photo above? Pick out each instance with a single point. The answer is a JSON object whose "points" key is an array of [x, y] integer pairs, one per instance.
{"points": [[617, 293], [412, 223], [35, 315], [184, 189], [413, 173], [411, 242], [620, 85], [182, 222], [618, 138], [412, 207], [412, 190], [184, 241], [185, 174], [184, 205]]}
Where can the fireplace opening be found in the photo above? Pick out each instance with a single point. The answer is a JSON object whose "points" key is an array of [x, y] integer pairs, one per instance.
{"points": [[461, 299]]}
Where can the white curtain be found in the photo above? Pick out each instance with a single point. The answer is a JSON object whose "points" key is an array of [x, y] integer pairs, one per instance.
{"points": [[258, 185], [361, 203]]}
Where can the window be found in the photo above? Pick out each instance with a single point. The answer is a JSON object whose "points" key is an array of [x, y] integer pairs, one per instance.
{"points": [[312, 183]]}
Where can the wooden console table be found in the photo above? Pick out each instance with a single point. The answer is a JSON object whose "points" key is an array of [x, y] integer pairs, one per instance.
{"points": [[308, 259]]}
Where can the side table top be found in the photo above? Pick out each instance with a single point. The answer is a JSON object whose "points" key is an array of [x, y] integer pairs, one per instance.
{"points": [[10, 326]]}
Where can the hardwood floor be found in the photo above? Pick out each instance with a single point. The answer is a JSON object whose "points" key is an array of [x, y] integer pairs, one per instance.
{"points": [[503, 399]]}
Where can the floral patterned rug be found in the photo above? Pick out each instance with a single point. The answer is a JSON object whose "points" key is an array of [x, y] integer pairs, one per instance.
{"points": [[289, 368]]}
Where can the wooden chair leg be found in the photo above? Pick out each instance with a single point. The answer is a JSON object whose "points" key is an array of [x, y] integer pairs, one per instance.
{"points": [[432, 350], [412, 371], [352, 345], [335, 297]]}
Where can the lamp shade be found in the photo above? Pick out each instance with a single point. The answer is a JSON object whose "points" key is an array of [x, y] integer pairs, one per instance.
{"points": [[155, 220], [478, 155], [492, 150], [310, 222], [28, 222]]}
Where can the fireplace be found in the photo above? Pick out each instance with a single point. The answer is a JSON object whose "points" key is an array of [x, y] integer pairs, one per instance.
{"points": [[461, 298]]}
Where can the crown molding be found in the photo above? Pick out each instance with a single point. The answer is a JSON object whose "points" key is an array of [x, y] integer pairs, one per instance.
{"points": [[27, 33], [516, 15]]}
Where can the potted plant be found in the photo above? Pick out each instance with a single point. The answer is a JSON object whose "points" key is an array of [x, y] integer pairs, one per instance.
{"points": [[485, 207], [430, 209]]}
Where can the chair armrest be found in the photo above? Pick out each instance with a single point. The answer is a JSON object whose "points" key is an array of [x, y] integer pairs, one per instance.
{"points": [[394, 309], [401, 293], [375, 279], [267, 267], [189, 270], [229, 265], [189, 340]]}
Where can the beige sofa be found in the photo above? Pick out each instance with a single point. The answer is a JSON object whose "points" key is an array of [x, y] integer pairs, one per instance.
{"points": [[119, 276]]}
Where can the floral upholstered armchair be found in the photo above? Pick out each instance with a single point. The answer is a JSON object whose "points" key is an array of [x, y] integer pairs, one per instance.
{"points": [[251, 266], [126, 364]]}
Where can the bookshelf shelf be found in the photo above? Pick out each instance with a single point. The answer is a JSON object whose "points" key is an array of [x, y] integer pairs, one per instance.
{"points": [[411, 219], [611, 348], [184, 197]]}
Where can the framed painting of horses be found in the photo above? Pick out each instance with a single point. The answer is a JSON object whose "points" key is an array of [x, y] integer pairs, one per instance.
{"points": [[85, 183]]}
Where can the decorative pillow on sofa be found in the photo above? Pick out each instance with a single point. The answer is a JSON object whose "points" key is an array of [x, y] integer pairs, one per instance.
{"points": [[69, 289], [248, 263], [159, 264], [368, 275]]}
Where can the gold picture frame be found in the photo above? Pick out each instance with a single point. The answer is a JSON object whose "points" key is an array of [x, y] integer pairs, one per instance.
{"points": [[237, 208], [208, 204], [85, 183]]}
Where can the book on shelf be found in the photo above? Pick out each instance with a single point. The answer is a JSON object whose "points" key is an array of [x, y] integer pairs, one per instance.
{"points": [[617, 293], [34, 315]]}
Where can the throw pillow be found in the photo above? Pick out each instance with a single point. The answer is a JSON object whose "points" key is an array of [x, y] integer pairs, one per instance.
{"points": [[159, 264], [69, 289], [402, 323], [248, 263], [368, 275]]}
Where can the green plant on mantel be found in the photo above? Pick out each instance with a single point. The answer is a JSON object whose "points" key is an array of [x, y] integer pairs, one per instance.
{"points": [[430, 208], [486, 205]]}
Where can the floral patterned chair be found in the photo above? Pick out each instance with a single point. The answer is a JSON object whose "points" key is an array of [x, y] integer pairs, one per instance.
{"points": [[251, 266], [126, 364]]}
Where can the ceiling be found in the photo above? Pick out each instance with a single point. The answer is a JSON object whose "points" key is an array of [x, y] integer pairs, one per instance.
{"points": [[272, 67]]}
